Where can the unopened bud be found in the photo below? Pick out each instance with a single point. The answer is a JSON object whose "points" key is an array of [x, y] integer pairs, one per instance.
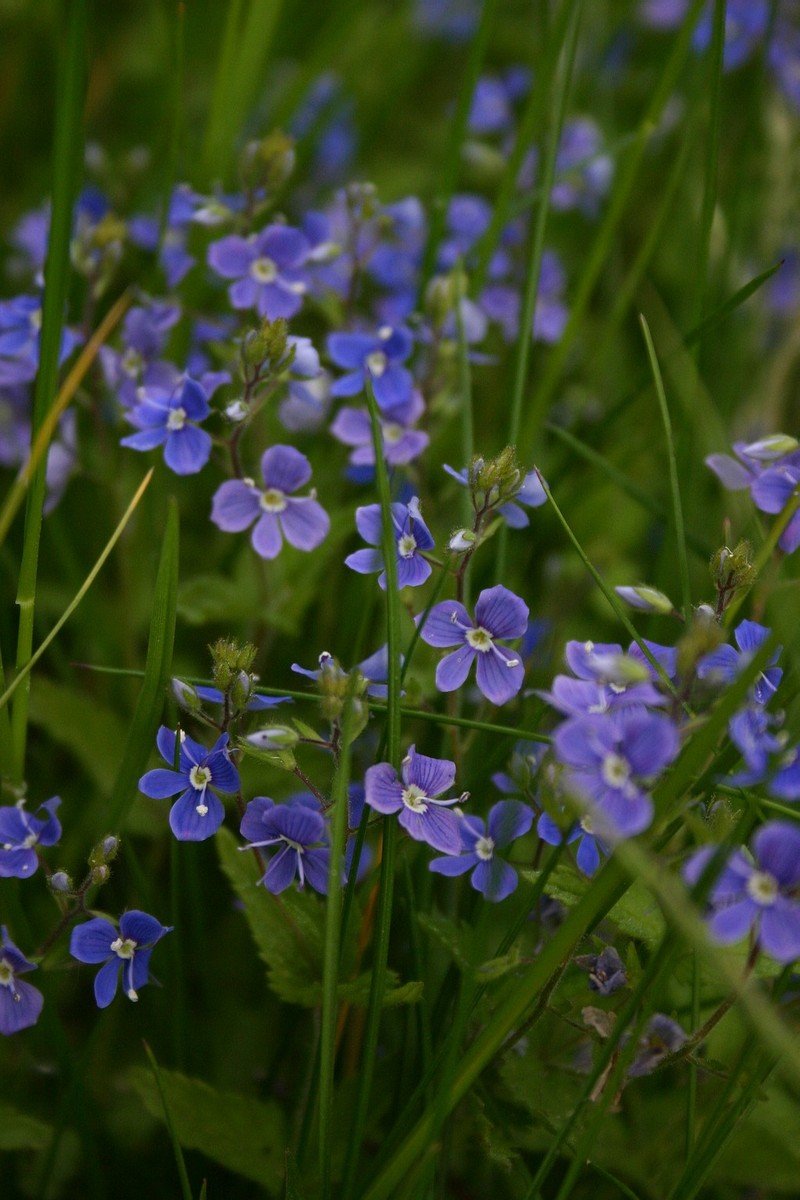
{"points": [[61, 883], [775, 446], [645, 598], [274, 737], [185, 695], [236, 411], [461, 540], [100, 874]]}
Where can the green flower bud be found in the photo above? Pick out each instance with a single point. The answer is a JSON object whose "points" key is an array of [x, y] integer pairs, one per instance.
{"points": [[461, 540], [267, 346], [775, 446], [274, 737], [268, 162], [645, 598], [228, 660], [185, 695]]}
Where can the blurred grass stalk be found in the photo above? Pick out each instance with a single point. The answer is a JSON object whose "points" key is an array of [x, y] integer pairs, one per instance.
{"points": [[67, 165], [246, 42]]}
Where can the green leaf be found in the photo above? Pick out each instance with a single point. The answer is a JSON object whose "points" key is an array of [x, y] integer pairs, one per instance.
{"points": [[143, 727], [245, 1135], [289, 932], [636, 913], [90, 731], [21, 1132], [293, 1191]]}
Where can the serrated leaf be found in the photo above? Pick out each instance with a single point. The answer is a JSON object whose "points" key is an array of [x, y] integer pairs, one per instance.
{"points": [[289, 932], [636, 913], [245, 1135]]}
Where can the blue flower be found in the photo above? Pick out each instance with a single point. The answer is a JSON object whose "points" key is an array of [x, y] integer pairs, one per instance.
{"points": [[21, 832], [415, 795], [20, 1002], [197, 813], [590, 846], [606, 971], [378, 357], [722, 665], [299, 836], [613, 760], [267, 269], [530, 493], [491, 875], [20, 336], [757, 895], [412, 538], [170, 418], [128, 948], [401, 442], [499, 615]]}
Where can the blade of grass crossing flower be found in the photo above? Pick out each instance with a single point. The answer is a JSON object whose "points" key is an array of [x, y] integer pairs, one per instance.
{"points": [[385, 898], [149, 706], [604, 240], [610, 596], [66, 392], [557, 87], [458, 129], [333, 928], [677, 507], [180, 1163], [23, 674], [67, 159]]}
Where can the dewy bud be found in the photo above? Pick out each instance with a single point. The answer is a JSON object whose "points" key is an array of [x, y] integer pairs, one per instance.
{"points": [[228, 659], [104, 852], [775, 446], [100, 874], [646, 598], [461, 540], [236, 411], [274, 737], [61, 883], [241, 690]]}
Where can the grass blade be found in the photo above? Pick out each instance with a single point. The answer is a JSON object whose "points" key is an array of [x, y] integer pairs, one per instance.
{"points": [[67, 159], [146, 716], [386, 894], [677, 508], [31, 662], [180, 1163]]}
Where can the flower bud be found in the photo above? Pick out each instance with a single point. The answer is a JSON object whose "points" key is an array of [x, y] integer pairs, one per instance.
{"points": [[732, 569], [621, 669], [274, 737], [236, 411], [100, 874], [645, 598], [269, 161], [104, 852], [61, 883], [775, 446], [228, 659], [461, 540], [267, 345], [185, 695]]}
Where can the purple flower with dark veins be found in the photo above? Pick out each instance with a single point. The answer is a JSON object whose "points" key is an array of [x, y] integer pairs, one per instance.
{"points": [[267, 269], [20, 1002], [412, 537], [416, 795], [171, 419], [606, 970], [197, 813], [757, 894], [499, 615], [273, 511], [298, 835], [21, 832], [128, 948], [480, 842]]}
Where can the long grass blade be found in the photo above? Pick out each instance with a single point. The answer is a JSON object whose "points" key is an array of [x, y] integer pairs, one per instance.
{"points": [[180, 1162]]}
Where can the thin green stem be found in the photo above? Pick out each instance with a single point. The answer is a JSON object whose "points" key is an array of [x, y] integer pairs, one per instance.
{"points": [[677, 507], [387, 872], [67, 159]]}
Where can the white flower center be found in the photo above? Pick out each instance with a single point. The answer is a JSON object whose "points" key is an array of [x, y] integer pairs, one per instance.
{"points": [[263, 270], [586, 825], [6, 974], [176, 418], [762, 887], [131, 363], [124, 947], [199, 778], [392, 432], [377, 363], [414, 798], [273, 500], [406, 545], [616, 771], [484, 848], [30, 841], [36, 319], [479, 639]]}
